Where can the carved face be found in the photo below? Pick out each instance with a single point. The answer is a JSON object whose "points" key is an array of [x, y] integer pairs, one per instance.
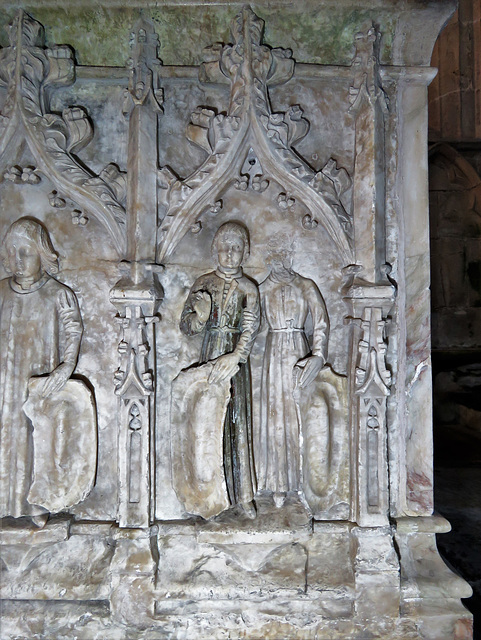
{"points": [[24, 259], [230, 252], [280, 259]]}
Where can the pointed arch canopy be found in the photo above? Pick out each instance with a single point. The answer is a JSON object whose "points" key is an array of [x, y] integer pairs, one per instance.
{"points": [[250, 123], [28, 70]]}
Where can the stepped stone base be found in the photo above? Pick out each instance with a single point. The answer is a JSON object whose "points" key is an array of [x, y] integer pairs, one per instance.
{"points": [[230, 579]]}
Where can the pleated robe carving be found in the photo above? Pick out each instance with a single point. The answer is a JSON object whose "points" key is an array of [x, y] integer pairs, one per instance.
{"points": [[286, 305]]}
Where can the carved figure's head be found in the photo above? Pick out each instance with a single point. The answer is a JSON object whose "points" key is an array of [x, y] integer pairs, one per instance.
{"points": [[230, 246], [280, 252], [27, 250]]}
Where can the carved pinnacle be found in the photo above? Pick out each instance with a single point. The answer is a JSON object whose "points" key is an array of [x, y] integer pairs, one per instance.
{"points": [[249, 65], [367, 81], [144, 81]]}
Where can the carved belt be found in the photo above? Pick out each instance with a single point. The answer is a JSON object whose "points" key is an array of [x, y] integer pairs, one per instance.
{"points": [[286, 330], [225, 329]]}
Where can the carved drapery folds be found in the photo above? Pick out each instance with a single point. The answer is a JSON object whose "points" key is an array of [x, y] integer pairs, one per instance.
{"points": [[237, 483], [249, 148], [48, 422], [250, 142], [30, 71]]}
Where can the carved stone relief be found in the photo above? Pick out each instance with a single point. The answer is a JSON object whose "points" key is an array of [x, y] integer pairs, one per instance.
{"points": [[250, 135], [224, 306], [53, 468], [302, 412], [289, 193], [199, 410]]}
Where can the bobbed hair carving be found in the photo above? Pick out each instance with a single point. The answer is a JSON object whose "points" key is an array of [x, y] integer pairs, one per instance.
{"points": [[236, 229], [31, 229]]}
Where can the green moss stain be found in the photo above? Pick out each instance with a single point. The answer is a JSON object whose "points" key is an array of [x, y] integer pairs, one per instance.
{"points": [[318, 37], [100, 35]]}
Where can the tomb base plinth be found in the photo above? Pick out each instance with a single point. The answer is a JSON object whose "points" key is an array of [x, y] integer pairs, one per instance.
{"points": [[231, 578]]}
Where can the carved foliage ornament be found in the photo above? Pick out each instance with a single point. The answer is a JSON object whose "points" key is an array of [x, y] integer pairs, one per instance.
{"points": [[250, 141], [29, 71]]}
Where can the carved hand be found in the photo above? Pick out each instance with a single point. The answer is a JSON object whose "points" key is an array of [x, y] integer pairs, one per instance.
{"points": [[225, 367], [57, 379], [311, 367], [202, 305]]}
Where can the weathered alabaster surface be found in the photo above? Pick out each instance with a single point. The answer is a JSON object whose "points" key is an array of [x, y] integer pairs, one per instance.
{"points": [[215, 387], [197, 453], [64, 444], [46, 465]]}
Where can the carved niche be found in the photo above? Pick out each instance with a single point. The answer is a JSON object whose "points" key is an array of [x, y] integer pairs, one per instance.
{"points": [[252, 170]]}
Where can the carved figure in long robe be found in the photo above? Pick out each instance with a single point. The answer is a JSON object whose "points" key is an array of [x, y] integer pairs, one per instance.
{"points": [[224, 305], [287, 299], [40, 333]]}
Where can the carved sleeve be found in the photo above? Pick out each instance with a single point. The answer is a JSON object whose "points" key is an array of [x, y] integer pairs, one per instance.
{"points": [[250, 321], [189, 320], [263, 322], [320, 321], [71, 327]]}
